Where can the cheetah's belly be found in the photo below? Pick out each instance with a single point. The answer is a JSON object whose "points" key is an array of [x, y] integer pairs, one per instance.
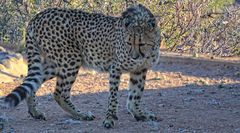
{"points": [[99, 62]]}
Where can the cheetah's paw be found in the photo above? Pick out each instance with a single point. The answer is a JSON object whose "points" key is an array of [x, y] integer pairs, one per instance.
{"points": [[88, 116], [36, 114], [145, 117], [108, 123]]}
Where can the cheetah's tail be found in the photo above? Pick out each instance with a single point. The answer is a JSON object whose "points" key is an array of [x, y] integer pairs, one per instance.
{"points": [[33, 80]]}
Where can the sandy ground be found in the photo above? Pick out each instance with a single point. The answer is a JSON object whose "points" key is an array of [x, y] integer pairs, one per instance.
{"points": [[187, 95]]}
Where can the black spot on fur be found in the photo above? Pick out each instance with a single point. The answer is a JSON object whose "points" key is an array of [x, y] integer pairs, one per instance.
{"points": [[133, 81]]}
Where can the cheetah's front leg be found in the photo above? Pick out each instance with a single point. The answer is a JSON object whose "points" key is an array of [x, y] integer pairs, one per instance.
{"points": [[111, 115], [136, 87]]}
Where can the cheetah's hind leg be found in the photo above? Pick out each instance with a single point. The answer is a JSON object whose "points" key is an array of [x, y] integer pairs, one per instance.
{"points": [[65, 79]]}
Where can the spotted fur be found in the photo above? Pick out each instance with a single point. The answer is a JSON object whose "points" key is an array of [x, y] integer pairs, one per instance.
{"points": [[60, 41]]}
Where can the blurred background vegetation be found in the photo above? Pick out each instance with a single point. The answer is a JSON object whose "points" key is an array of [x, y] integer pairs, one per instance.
{"points": [[188, 26]]}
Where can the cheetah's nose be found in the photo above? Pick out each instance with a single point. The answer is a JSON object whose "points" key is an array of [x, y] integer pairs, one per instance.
{"points": [[135, 56]]}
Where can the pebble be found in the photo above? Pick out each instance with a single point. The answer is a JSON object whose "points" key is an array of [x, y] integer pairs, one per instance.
{"points": [[237, 130], [2, 49], [161, 105], [196, 91], [154, 126], [221, 86], [189, 99], [213, 102], [236, 94], [183, 130], [199, 91], [69, 121]]}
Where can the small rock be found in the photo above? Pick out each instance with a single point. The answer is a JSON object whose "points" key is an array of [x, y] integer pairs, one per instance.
{"points": [[86, 102], [50, 131], [171, 125], [231, 87], [213, 102], [160, 94], [2, 49], [69, 121], [221, 86], [236, 94], [154, 126], [196, 91], [189, 99], [49, 97], [182, 130], [237, 74], [12, 130], [190, 85], [19, 56], [199, 90], [161, 105], [237, 130], [213, 92]]}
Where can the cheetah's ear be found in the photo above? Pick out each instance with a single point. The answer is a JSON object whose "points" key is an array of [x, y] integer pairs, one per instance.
{"points": [[128, 16], [151, 20], [152, 23]]}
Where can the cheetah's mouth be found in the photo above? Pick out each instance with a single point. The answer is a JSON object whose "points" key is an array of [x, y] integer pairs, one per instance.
{"points": [[136, 48]]}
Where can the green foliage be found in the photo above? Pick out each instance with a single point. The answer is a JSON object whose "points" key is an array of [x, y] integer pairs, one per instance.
{"points": [[195, 26], [219, 4]]}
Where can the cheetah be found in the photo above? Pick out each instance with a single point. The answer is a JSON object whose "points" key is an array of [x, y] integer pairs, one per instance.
{"points": [[60, 41]]}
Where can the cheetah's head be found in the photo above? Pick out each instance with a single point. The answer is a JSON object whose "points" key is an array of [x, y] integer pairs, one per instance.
{"points": [[142, 36]]}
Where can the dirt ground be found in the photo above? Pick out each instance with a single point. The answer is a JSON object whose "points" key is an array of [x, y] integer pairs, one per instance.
{"points": [[187, 95]]}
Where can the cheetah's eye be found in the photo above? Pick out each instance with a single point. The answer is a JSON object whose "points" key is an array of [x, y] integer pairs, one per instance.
{"points": [[127, 23]]}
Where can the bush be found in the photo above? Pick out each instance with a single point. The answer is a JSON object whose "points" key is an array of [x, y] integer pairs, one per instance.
{"points": [[192, 26]]}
